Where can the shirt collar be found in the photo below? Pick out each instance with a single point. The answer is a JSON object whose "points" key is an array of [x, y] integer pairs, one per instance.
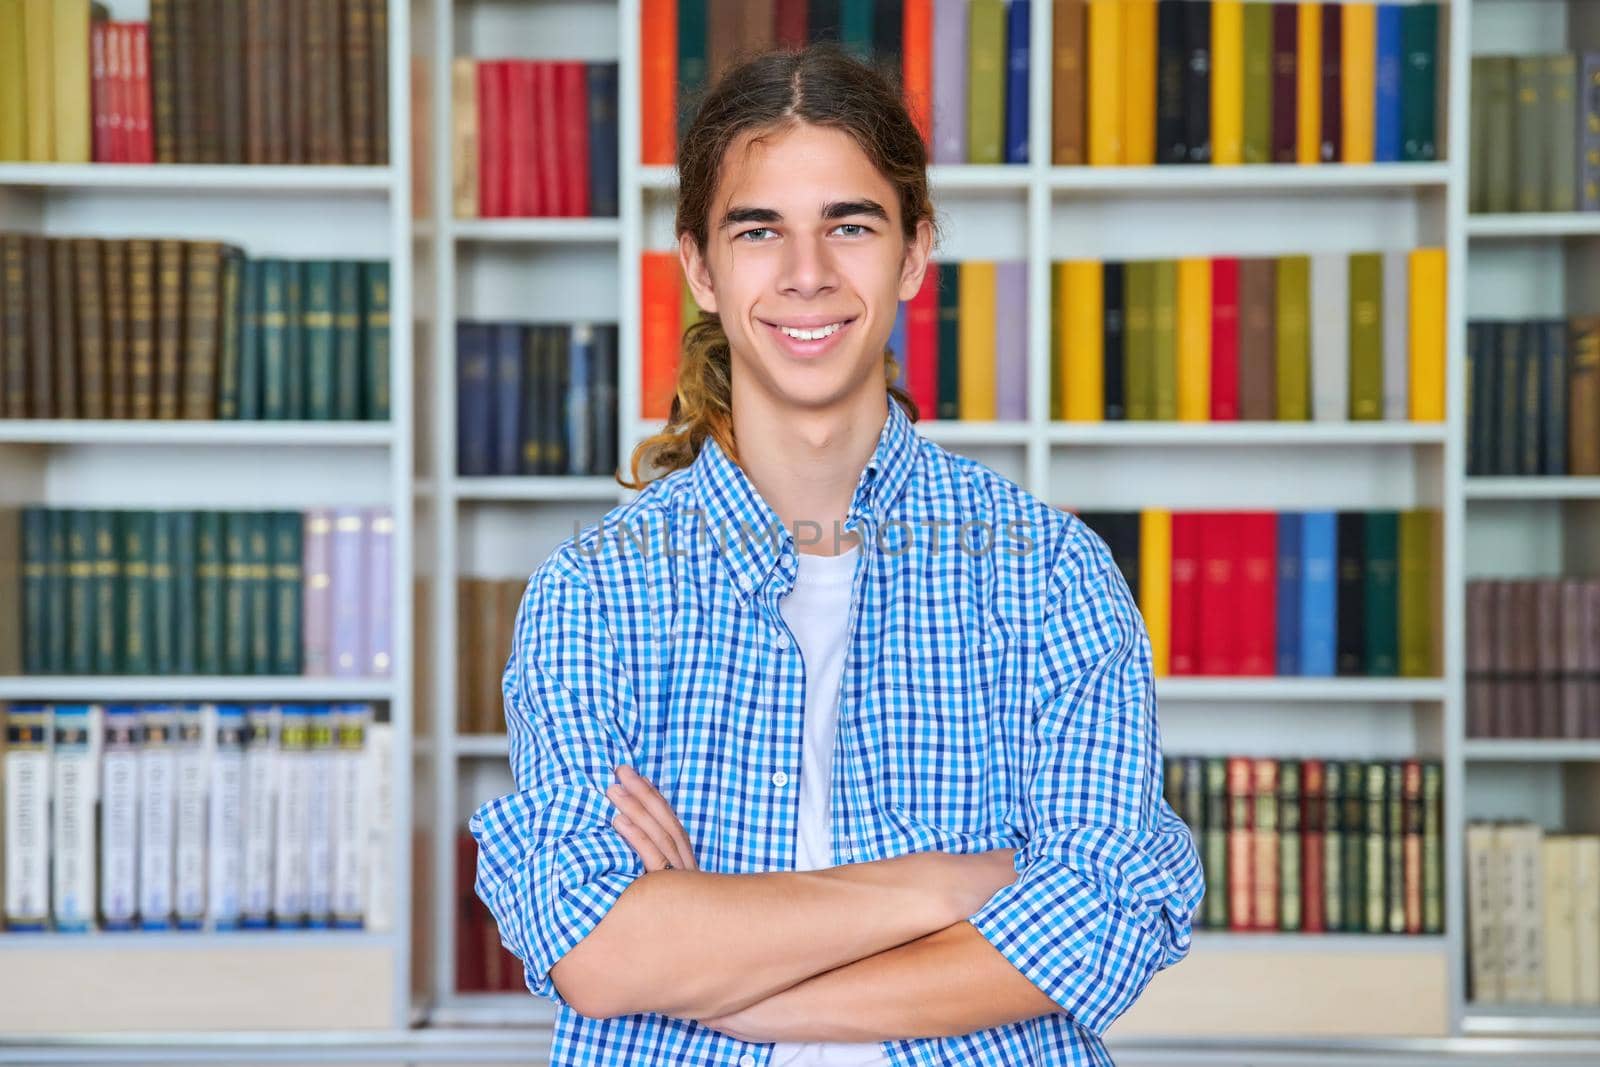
{"points": [[748, 533]]}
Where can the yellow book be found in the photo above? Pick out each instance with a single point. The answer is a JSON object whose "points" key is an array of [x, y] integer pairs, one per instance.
{"points": [[70, 70], [1194, 340], [975, 364], [1155, 585], [1358, 79], [1082, 312], [1308, 88], [37, 40], [464, 137], [13, 84], [1227, 82], [1105, 83], [1139, 82], [1427, 309]]}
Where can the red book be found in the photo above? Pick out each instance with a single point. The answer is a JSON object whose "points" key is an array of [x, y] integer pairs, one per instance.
{"points": [[469, 945], [658, 82], [1217, 629], [922, 344], [1183, 647], [1411, 842], [572, 83], [1241, 860], [1313, 798], [789, 23], [1224, 338], [522, 178], [100, 147], [916, 64], [493, 169], [140, 143], [661, 332], [1255, 597], [547, 140]]}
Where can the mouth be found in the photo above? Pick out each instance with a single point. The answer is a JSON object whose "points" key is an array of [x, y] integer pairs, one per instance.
{"points": [[809, 342]]}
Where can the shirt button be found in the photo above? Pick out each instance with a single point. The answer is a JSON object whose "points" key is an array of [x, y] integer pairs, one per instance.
{"points": [[747, 1060], [780, 779], [783, 641], [786, 560]]}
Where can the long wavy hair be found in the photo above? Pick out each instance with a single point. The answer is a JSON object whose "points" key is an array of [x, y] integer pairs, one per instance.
{"points": [[820, 84]]}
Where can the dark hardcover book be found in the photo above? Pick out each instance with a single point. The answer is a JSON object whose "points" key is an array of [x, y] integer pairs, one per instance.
{"points": [[949, 378], [82, 617], [824, 20], [378, 28], [532, 400], [357, 84], [138, 598], [1258, 345], [694, 33], [163, 81], [1561, 116], [236, 642], [318, 337], [1285, 82], [1138, 338], [274, 340], [1354, 858], [252, 280], [185, 640], [1291, 544], [1258, 83], [254, 79], [163, 596], [1588, 108], [474, 408], [1016, 81], [375, 340], [1411, 849], [1214, 846], [579, 400], [1419, 54], [1290, 874], [14, 364], [1332, 801], [230, 310], [1197, 80], [114, 269], [141, 329], [1529, 130], [1480, 400], [1386, 106], [1583, 397], [285, 530], [1555, 367], [1112, 356], [605, 399], [888, 35], [602, 93], [1480, 679], [294, 340], [506, 395], [286, 66], [41, 328], [1331, 142], [210, 593], [1172, 117], [855, 27], [347, 381], [90, 295], [170, 259], [35, 600], [1508, 386], [1380, 594], [63, 330], [202, 329], [1530, 370], [56, 620], [334, 136], [109, 619], [1432, 847], [258, 592], [1351, 584], [229, 81], [1120, 531], [1394, 872], [1377, 853], [556, 377], [189, 94]]}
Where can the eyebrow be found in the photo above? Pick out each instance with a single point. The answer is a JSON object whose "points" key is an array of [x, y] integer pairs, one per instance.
{"points": [[834, 209]]}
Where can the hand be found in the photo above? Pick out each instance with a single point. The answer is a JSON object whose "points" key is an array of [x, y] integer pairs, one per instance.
{"points": [[649, 825]]}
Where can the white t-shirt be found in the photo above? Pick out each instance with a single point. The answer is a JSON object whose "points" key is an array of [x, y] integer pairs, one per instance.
{"points": [[817, 611]]}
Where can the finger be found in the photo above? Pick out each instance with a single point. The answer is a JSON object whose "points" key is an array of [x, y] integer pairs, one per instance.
{"points": [[631, 805], [654, 859], [663, 811]]}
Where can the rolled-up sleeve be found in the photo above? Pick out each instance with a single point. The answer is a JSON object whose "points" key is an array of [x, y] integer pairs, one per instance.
{"points": [[1108, 878], [550, 865]]}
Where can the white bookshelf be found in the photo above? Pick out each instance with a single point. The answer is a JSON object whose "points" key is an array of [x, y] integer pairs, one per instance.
{"points": [[198, 984]]}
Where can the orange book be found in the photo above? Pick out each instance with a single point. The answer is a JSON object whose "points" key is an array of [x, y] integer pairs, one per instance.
{"points": [[1139, 83], [1105, 84], [916, 64], [1358, 79], [661, 332], [658, 82], [1427, 328], [1308, 143], [1194, 339]]}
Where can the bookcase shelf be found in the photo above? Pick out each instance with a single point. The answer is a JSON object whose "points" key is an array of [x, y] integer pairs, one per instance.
{"points": [[197, 433], [1533, 224], [1205, 434], [129, 689], [1507, 750], [1273, 178], [1533, 488], [179, 177], [536, 230], [535, 487], [1531, 1020], [19, 946], [1301, 690]]}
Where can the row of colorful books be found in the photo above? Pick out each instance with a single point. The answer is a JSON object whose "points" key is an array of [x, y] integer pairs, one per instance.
{"points": [[1142, 82], [533, 138], [1533, 915], [961, 342], [99, 328], [1533, 396], [536, 398], [1332, 337], [1310, 594], [1315, 846], [202, 817], [1535, 124], [486, 611], [1533, 657], [200, 592]]}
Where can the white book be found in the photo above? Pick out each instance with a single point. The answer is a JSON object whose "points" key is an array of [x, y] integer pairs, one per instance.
{"points": [[263, 729], [1560, 922], [76, 767], [27, 815], [1397, 334], [1330, 337], [225, 817], [189, 850], [1586, 917], [319, 815], [158, 815], [1483, 914], [290, 859], [351, 722], [119, 817], [380, 842]]}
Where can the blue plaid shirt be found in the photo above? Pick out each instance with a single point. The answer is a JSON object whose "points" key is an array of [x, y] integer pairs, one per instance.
{"points": [[996, 694]]}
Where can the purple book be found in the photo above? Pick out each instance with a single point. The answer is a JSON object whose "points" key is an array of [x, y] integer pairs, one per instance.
{"points": [[949, 81], [316, 623], [348, 595], [1011, 340], [380, 536]]}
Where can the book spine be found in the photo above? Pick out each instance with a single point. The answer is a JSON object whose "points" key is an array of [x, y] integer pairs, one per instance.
{"points": [[169, 322], [1291, 884], [64, 322], [1386, 108], [378, 849], [317, 604], [605, 395], [236, 614], [357, 85], [1354, 859], [57, 621], [349, 814], [1376, 865], [475, 424], [262, 778], [1588, 117], [189, 845], [1419, 50], [949, 370], [75, 762], [579, 401], [106, 591], [347, 328], [258, 592], [14, 364], [27, 772], [286, 590], [40, 336], [90, 328], [1264, 776], [1285, 83], [1331, 141], [163, 76], [120, 817], [82, 621], [378, 57], [348, 593], [318, 758], [1411, 850], [1214, 843], [377, 583], [203, 329], [158, 798], [602, 119], [289, 849], [319, 336], [375, 340], [1241, 861], [163, 596], [225, 826], [138, 592]]}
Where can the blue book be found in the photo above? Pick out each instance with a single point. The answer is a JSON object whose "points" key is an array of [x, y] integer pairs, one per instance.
{"points": [[505, 347], [1289, 548], [474, 425], [1386, 110], [602, 79], [1319, 573], [1016, 144], [897, 342], [580, 399]]}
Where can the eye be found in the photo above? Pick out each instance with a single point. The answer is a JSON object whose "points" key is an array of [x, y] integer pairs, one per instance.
{"points": [[748, 234], [856, 226]]}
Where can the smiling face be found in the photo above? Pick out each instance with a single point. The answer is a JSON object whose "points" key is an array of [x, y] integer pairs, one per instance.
{"points": [[806, 263]]}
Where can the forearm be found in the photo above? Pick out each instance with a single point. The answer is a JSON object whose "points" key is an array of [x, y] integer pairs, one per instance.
{"points": [[697, 944]]}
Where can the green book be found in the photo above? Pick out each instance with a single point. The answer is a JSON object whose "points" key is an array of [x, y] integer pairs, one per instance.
{"points": [[138, 599], [1258, 83], [1432, 848], [1215, 845], [1333, 846], [286, 539], [1394, 872], [1355, 847], [210, 585], [163, 596], [82, 621], [294, 348], [375, 340], [35, 567], [1138, 340], [1531, 130], [855, 27], [1478, 120], [232, 329], [258, 591], [235, 592], [1419, 55], [274, 342], [1377, 903], [1164, 342], [1380, 592], [1289, 880], [949, 369], [185, 641], [1561, 119], [1366, 336], [347, 329], [694, 30], [1293, 364], [56, 620], [1418, 564], [109, 616], [316, 321], [986, 73], [1499, 130], [250, 279]]}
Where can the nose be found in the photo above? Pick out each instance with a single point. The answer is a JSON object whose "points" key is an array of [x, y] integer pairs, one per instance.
{"points": [[808, 267]]}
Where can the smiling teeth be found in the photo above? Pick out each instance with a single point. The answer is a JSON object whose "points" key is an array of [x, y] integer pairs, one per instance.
{"points": [[812, 335]]}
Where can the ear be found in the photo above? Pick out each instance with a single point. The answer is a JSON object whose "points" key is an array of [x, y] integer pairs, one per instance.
{"points": [[697, 273], [918, 254]]}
